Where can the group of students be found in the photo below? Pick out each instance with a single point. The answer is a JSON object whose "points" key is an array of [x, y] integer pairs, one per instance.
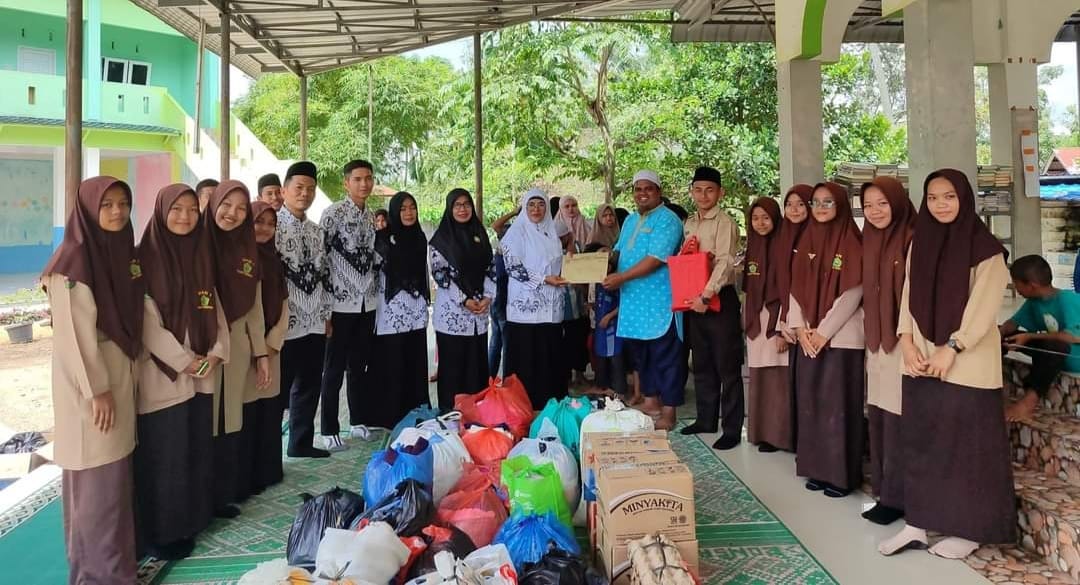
{"points": [[249, 308]]}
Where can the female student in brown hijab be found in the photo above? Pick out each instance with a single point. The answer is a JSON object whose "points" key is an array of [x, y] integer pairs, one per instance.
{"points": [[186, 337], [232, 236], [770, 406], [265, 448], [93, 281], [890, 218], [605, 229], [957, 477], [825, 312]]}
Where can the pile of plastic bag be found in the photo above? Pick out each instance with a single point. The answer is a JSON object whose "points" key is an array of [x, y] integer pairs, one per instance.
{"points": [[336, 508]]}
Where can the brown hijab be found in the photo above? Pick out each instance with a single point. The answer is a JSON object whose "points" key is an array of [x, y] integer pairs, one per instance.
{"points": [[607, 236], [884, 263], [828, 259], [757, 266], [271, 271], [783, 247], [942, 256], [235, 254], [106, 262], [179, 274]]}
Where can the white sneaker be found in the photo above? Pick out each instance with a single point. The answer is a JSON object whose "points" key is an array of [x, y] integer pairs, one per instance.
{"points": [[333, 443], [360, 432]]}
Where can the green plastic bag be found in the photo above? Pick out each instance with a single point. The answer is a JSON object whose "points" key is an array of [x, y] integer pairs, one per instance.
{"points": [[567, 416], [535, 489]]}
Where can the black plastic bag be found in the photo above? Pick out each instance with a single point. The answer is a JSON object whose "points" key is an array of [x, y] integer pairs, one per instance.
{"points": [[439, 539], [336, 508], [408, 510], [559, 567]]}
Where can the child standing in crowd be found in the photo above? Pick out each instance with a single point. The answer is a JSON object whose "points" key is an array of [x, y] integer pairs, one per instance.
{"points": [[186, 337], [890, 218], [607, 347], [958, 479], [95, 288], [401, 321], [462, 265], [266, 446], [770, 410], [826, 313], [1046, 328]]}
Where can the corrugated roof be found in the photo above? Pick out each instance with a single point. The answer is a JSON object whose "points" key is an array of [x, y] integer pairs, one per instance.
{"points": [[88, 125]]}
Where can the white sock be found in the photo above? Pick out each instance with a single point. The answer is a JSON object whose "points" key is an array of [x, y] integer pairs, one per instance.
{"points": [[360, 432], [901, 539], [333, 443], [954, 547]]}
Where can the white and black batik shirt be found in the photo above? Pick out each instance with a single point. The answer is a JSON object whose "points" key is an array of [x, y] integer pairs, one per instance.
{"points": [[349, 235], [450, 316], [300, 245], [529, 299]]}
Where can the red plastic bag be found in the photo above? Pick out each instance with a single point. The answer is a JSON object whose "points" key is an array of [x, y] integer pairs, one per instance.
{"points": [[689, 273], [416, 546], [487, 445], [478, 477], [504, 401], [478, 513]]}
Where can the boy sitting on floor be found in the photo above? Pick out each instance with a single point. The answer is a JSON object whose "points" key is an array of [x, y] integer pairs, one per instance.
{"points": [[1046, 328]]}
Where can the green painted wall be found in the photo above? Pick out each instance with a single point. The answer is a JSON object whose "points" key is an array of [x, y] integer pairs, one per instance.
{"points": [[118, 12], [172, 57]]}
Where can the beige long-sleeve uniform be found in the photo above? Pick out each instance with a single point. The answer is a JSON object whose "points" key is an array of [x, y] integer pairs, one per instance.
{"points": [[843, 325], [978, 365], [156, 391], [275, 339], [86, 363], [247, 341]]}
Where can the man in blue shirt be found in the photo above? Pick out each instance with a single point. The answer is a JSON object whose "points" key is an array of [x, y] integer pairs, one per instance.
{"points": [[1048, 328], [646, 322]]}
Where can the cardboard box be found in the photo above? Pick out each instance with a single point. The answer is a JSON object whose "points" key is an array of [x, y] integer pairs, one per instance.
{"points": [[588, 440], [614, 560], [637, 501]]}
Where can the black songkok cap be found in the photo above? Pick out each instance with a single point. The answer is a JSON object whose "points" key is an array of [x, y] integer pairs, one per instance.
{"points": [[303, 168], [269, 180], [706, 174]]}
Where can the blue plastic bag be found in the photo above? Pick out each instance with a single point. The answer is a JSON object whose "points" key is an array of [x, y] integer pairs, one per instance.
{"points": [[390, 467], [414, 418], [566, 415], [530, 537]]}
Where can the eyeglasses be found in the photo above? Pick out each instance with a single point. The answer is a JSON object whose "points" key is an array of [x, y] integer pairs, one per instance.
{"points": [[827, 204], [463, 205]]}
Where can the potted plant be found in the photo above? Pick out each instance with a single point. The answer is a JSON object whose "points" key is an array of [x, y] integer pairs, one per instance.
{"points": [[19, 324]]}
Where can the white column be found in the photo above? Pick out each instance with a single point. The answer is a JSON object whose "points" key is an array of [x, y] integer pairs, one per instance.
{"points": [[802, 150], [59, 199], [91, 162], [938, 38], [1015, 86]]}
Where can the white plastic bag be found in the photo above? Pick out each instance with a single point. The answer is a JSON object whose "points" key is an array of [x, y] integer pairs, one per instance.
{"points": [[615, 417], [448, 455], [450, 421], [275, 572], [374, 554], [490, 565], [547, 447]]}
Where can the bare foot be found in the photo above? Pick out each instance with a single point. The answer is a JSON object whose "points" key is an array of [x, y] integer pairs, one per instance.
{"points": [[650, 406], [666, 420], [1022, 410]]}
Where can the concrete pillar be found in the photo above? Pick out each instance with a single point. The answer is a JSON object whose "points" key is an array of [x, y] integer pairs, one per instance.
{"points": [[940, 79], [59, 213], [91, 162], [1014, 88], [93, 60], [802, 149]]}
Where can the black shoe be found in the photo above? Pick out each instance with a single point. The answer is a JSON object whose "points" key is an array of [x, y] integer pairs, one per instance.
{"points": [[227, 511], [815, 485], [766, 448], [310, 452], [726, 442], [832, 491], [696, 429], [882, 514], [174, 551]]}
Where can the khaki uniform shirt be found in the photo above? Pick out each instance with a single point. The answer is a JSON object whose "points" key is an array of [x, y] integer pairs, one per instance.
{"points": [[85, 364], [717, 233], [979, 365], [247, 342]]}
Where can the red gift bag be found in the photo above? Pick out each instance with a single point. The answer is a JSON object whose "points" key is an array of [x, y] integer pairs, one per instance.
{"points": [[689, 273]]}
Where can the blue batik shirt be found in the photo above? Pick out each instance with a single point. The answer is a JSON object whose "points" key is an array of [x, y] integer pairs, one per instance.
{"points": [[645, 303]]}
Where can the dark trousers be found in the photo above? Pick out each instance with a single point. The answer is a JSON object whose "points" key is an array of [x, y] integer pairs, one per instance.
{"points": [[661, 366], [497, 343], [1045, 367], [611, 373], [348, 355], [301, 378], [716, 340]]}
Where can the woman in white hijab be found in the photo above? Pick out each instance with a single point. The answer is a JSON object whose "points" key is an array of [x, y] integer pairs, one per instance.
{"points": [[534, 308]]}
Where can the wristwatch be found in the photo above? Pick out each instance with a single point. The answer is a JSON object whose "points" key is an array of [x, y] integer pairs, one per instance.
{"points": [[954, 345]]}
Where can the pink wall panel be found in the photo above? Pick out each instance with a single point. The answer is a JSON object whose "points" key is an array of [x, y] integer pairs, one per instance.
{"points": [[152, 172]]}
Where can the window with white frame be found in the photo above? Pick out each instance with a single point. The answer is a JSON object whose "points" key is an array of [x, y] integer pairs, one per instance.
{"points": [[125, 71]]}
